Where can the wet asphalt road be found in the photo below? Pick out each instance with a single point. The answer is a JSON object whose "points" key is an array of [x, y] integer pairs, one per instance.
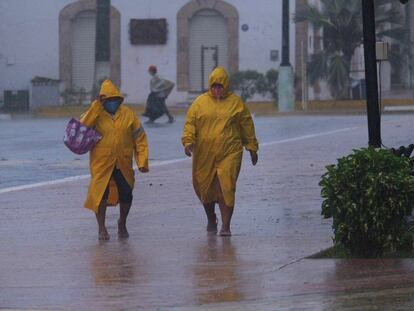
{"points": [[32, 150], [50, 258]]}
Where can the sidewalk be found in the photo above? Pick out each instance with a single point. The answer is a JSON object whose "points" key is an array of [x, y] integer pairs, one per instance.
{"points": [[50, 257]]}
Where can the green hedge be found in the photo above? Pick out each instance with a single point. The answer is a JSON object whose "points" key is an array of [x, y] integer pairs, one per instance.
{"points": [[368, 194], [250, 82]]}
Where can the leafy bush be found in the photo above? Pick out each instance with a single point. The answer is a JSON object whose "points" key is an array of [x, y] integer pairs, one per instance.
{"points": [[248, 83], [368, 193], [272, 76], [75, 96]]}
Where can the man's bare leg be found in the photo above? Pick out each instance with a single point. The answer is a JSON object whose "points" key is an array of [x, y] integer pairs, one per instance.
{"points": [[211, 217], [123, 214], [226, 211], [100, 217]]}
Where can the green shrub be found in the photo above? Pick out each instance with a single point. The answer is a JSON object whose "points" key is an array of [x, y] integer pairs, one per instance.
{"points": [[75, 96], [368, 193], [250, 82], [272, 76], [247, 83]]}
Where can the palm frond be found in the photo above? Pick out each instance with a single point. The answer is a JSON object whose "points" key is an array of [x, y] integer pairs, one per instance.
{"points": [[341, 24], [338, 76], [318, 67]]}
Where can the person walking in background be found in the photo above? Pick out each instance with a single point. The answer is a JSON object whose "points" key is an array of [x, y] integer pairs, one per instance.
{"points": [[217, 127], [112, 175], [160, 89]]}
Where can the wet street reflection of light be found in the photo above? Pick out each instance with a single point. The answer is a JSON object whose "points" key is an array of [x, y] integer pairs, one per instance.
{"points": [[216, 270], [115, 264]]}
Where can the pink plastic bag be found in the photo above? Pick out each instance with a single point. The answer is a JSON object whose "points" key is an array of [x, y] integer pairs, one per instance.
{"points": [[79, 138]]}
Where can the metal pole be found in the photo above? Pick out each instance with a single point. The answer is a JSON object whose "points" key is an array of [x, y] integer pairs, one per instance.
{"points": [[373, 113], [304, 77], [102, 44], [285, 34], [102, 40], [202, 68], [286, 99], [409, 43]]}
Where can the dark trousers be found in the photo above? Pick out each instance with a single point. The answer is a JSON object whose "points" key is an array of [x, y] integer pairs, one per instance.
{"points": [[124, 190]]}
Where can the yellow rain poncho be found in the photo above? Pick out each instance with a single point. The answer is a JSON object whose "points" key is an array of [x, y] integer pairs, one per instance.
{"points": [[122, 136], [218, 131]]}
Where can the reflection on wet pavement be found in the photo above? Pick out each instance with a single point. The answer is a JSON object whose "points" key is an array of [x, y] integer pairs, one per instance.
{"points": [[216, 272], [114, 264]]}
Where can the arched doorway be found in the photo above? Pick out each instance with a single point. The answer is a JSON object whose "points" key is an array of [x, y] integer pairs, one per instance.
{"points": [[208, 47], [77, 44], [200, 17]]}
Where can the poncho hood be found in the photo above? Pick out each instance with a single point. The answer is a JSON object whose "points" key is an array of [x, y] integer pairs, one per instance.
{"points": [[219, 76]]}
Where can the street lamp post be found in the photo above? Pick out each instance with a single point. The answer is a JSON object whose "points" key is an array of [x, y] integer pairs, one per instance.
{"points": [[285, 80], [373, 113], [102, 42]]}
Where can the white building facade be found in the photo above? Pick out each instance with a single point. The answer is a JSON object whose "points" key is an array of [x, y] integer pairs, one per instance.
{"points": [[56, 39]]}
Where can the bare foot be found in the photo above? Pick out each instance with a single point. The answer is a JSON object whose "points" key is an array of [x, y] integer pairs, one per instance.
{"points": [[212, 224], [225, 232], [122, 231], [103, 235], [212, 227]]}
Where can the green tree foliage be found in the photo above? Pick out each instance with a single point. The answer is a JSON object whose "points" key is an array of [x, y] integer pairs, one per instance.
{"points": [[250, 82], [75, 96], [247, 83], [368, 193], [272, 76], [341, 25]]}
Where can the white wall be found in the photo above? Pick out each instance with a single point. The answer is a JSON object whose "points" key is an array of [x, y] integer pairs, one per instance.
{"points": [[135, 59], [29, 35], [263, 18], [29, 43]]}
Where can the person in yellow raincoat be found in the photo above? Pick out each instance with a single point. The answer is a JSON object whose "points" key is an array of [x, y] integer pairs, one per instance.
{"points": [[112, 174], [217, 127]]}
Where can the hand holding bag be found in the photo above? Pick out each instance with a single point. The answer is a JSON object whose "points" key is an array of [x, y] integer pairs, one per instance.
{"points": [[79, 138]]}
